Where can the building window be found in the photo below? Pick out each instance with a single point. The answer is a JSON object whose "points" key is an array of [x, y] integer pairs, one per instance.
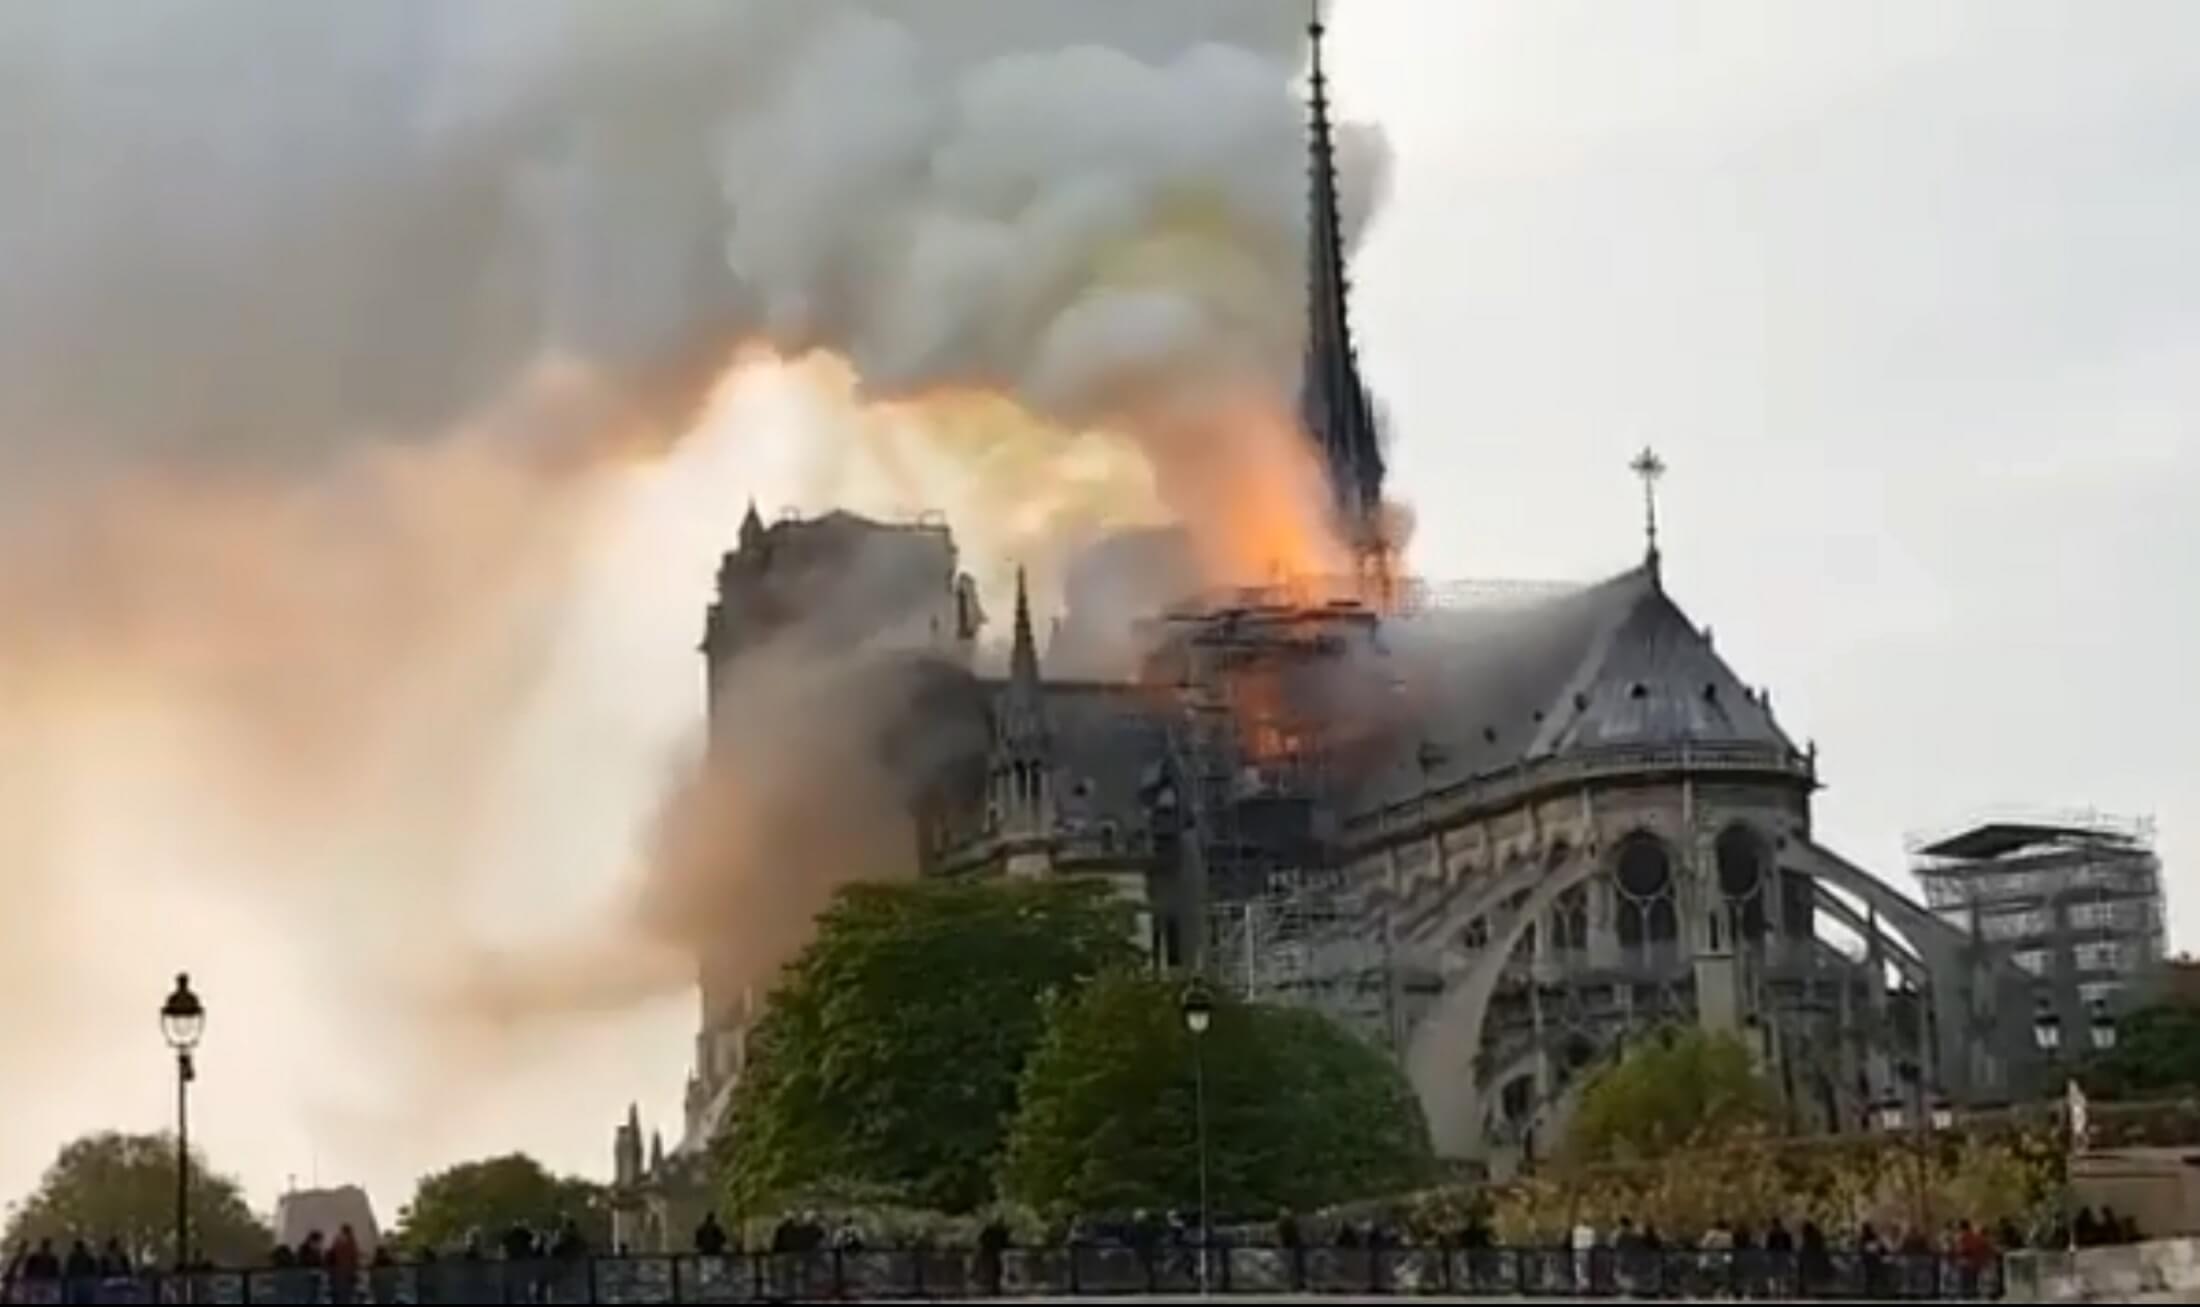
{"points": [[1647, 916], [2100, 957], [1570, 920], [2098, 993], [1741, 860], [2033, 960], [1798, 905], [2014, 925], [2093, 916]]}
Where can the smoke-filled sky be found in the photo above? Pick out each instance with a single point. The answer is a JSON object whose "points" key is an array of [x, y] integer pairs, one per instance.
{"points": [[356, 507]]}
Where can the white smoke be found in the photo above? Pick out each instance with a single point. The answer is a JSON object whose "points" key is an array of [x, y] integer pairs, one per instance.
{"points": [[257, 228], [288, 538]]}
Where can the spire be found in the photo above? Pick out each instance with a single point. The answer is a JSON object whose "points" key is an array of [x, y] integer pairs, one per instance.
{"points": [[752, 526], [1333, 400], [1023, 660], [1649, 467]]}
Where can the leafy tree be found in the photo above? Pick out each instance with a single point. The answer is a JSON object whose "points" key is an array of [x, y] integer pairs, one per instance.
{"points": [[2157, 1049], [888, 1055], [491, 1196], [1299, 1113], [1678, 1089], [119, 1186]]}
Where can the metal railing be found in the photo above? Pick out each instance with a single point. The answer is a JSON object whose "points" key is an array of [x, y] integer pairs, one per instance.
{"points": [[1071, 1271]]}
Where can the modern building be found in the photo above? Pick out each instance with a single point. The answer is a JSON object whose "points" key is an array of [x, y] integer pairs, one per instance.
{"points": [[300, 1212], [2076, 904]]}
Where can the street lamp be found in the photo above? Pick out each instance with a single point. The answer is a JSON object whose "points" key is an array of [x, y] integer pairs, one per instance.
{"points": [[1199, 1011], [182, 1021]]}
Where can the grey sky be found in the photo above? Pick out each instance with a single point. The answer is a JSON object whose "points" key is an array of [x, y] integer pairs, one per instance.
{"points": [[1907, 295]]}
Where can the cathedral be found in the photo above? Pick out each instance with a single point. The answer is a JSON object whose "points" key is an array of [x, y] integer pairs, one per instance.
{"points": [[1500, 831]]}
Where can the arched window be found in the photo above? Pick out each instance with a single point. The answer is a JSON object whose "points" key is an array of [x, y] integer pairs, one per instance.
{"points": [[1647, 915], [1570, 920], [1798, 905], [1743, 872], [1517, 1099]]}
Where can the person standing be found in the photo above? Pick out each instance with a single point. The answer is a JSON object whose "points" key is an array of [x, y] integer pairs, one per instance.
{"points": [[343, 1266]]}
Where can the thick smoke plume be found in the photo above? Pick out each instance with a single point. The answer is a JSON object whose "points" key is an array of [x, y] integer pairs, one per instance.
{"points": [[336, 342]]}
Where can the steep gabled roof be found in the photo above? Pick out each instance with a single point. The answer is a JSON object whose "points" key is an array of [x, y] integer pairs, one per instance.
{"points": [[1652, 679], [1612, 664]]}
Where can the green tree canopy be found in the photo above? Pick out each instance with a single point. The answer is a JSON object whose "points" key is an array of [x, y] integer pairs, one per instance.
{"points": [[888, 1055], [123, 1187], [2157, 1050], [491, 1196], [1300, 1113], [1677, 1089]]}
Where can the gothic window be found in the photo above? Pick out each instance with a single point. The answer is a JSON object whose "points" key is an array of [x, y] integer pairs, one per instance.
{"points": [[1742, 873], [1570, 920], [1798, 905], [1648, 916]]}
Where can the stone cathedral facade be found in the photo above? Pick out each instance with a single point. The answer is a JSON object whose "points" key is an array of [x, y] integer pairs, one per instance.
{"points": [[1500, 831]]}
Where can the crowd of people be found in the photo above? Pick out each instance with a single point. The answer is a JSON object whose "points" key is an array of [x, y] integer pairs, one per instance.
{"points": [[1729, 1256]]}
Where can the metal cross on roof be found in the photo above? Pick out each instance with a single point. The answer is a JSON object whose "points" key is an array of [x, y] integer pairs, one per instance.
{"points": [[1649, 467]]}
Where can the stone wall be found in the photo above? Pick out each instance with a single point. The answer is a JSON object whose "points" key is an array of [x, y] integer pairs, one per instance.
{"points": [[2164, 1270]]}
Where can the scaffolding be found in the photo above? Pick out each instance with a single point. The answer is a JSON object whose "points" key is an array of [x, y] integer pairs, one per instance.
{"points": [[1311, 942], [1256, 744], [2074, 900]]}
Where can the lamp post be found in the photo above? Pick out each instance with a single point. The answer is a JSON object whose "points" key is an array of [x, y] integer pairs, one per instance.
{"points": [[182, 1021], [1199, 1010]]}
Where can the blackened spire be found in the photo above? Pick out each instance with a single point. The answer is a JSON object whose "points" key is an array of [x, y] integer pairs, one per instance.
{"points": [[1333, 400], [752, 526], [1023, 660]]}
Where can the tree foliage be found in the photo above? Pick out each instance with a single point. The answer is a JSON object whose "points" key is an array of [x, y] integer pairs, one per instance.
{"points": [[1749, 1175], [123, 1187], [889, 1053], [2157, 1050], [491, 1196], [1678, 1089], [1300, 1114]]}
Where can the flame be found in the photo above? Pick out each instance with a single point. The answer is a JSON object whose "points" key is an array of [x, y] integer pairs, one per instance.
{"points": [[1226, 461]]}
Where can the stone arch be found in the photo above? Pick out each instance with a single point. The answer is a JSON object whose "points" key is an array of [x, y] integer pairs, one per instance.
{"points": [[1441, 1052]]}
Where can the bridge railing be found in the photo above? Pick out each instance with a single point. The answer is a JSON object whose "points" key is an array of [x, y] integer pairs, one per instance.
{"points": [[1094, 1270]]}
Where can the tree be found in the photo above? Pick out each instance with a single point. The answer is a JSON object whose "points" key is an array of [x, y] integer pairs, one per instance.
{"points": [[491, 1196], [888, 1055], [1300, 1113], [2157, 1049], [123, 1187], [1677, 1089]]}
